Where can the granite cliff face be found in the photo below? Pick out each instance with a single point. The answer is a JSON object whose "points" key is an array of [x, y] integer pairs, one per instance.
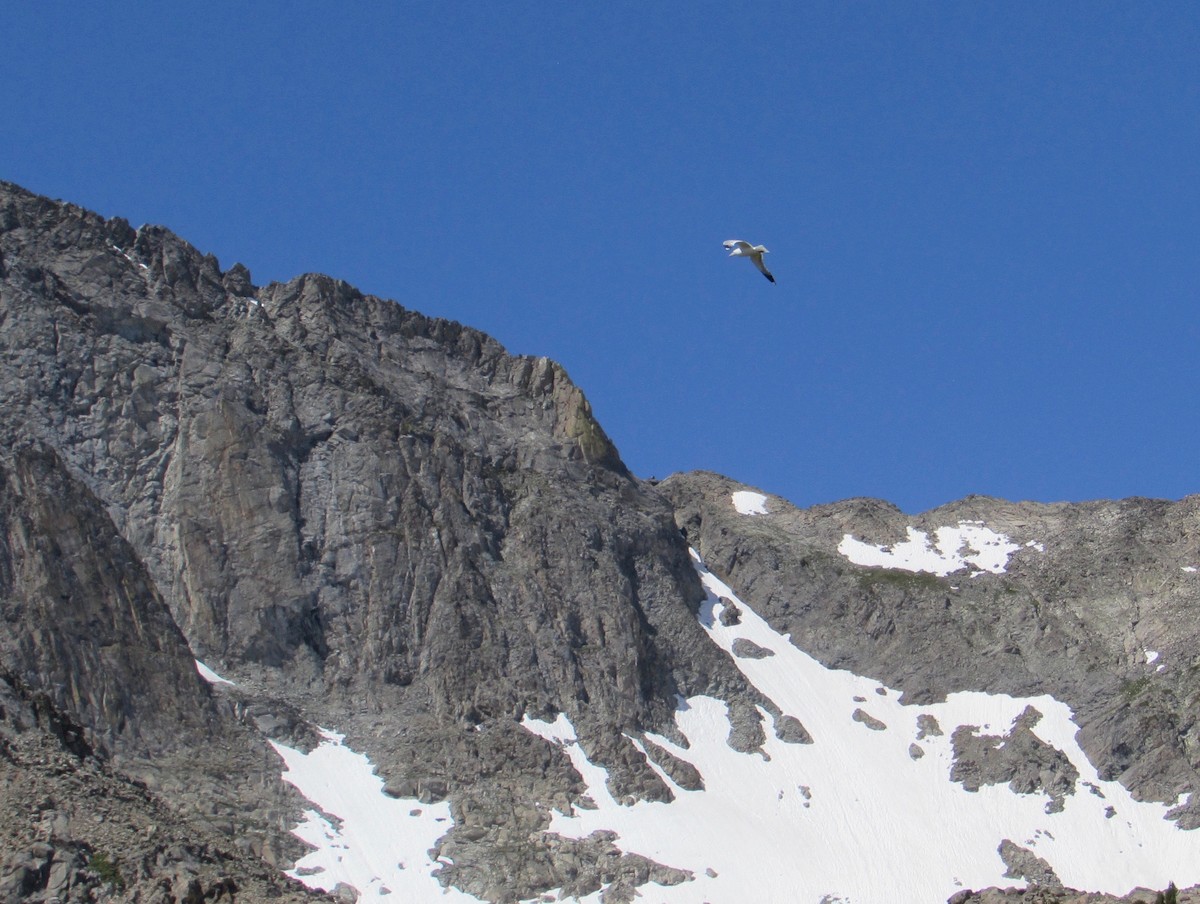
{"points": [[373, 520], [377, 519]]}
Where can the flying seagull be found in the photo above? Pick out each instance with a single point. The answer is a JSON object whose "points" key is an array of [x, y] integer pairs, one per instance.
{"points": [[738, 248]]}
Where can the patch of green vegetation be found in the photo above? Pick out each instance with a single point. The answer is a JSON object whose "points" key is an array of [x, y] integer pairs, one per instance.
{"points": [[1132, 689], [106, 869]]}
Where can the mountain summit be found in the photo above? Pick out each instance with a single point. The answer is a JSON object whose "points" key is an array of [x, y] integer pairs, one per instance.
{"points": [[296, 582]]}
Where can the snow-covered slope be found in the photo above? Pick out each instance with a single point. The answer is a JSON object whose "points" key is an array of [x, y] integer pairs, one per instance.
{"points": [[985, 550], [361, 837], [867, 812]]}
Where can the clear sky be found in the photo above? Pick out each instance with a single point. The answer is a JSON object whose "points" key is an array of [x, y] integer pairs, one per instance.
{"points": [[983, 216]]}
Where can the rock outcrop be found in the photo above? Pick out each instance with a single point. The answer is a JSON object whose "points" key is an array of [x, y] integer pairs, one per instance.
{"points": [[1020, 758], [1039, 894], [82, 620]]}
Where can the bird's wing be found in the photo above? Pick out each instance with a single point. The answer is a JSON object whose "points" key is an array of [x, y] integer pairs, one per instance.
{"points": [[758, 262]]}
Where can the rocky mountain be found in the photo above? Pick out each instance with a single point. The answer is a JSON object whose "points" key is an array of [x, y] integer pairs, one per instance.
{"points": [[252, 537], [1097, 607]]}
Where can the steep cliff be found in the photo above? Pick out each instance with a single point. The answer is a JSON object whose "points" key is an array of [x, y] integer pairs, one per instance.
{"points": [[376, 518]]}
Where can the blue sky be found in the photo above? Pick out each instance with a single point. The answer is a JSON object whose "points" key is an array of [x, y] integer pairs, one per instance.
{"points": [[983, 217]]}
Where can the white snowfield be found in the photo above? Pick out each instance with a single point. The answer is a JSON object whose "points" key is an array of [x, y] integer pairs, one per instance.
{"points": [[969, 545], [377, 844], [865, 814], [748, 503], [854, 817]]}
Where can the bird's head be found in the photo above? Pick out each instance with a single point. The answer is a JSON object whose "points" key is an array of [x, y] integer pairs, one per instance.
{"points": [[761, 249]]}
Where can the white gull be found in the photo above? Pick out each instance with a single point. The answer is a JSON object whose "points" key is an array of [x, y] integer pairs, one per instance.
{"points": [[738, 248]]}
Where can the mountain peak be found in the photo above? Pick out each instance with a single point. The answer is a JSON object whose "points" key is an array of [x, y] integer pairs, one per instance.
{"points": [[274, 550]]}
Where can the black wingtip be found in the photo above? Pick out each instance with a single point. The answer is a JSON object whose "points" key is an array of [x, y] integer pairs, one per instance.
{"points": [[769, 276]]}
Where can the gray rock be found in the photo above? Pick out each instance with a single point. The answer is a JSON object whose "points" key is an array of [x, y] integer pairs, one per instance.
{"points": [[1022, 863], [791, 730], [748, 649], [1027, 763], [868, 720], [745, 728], [681, 772], [928, 727], [82, 620], [730, 613], [1048, 895]]}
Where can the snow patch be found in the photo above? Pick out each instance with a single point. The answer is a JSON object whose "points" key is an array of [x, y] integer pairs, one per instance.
{"points": [[125, 254], [832, 820], [378, 844], [969, 545], [1190, 569], [1151, 657], [210, 676], [748, 503]]}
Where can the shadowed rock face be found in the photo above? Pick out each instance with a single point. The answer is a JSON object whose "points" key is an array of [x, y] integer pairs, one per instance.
{"points": [[81, 619], [98, 687], [1074, 619]]}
